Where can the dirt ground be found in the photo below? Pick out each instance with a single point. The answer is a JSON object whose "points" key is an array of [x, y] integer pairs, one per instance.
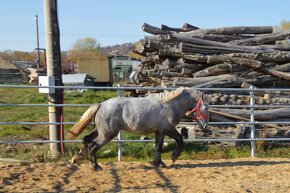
{"points": [[235, 175]]}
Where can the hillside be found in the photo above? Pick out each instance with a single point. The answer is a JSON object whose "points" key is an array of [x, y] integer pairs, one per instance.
{"points": [[122, 49]]}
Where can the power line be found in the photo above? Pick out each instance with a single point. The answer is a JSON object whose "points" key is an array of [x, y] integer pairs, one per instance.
{"points": [[74, 34]]}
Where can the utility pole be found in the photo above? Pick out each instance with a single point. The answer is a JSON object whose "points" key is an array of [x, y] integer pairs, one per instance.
{"points": [[37, 43], [53, 71]]}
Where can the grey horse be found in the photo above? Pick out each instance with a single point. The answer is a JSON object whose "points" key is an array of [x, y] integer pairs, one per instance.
{"points": [[156, 113]]}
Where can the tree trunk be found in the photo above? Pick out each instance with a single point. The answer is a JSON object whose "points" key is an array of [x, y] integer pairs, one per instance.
{"points": [[152, 29], [201, 42], [186, 71], [171, 74], [194, 67], [188, 27], [169, 63], [171, 29], [197, 81], [276, 57], [234, 60], [259, 114], [208, 50], [263, 39], [214, 70], [235, 30], [260, 93], [278, 74], [200, 58]]}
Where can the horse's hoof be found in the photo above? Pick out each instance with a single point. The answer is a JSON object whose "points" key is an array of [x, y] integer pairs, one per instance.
{"points": [[173, 158], [160, 164], [96, 168], [75, 159]]}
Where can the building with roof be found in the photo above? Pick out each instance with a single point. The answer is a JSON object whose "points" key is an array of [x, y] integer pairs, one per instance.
{"points": [[10, 73], [83, 79], [98, 67], [123, 66]]}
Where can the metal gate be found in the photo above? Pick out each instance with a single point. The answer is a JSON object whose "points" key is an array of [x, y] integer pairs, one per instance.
{"points": [[252, 106]]}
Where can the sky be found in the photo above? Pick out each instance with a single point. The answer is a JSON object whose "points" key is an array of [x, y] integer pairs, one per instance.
{"points": [[115, 21]]}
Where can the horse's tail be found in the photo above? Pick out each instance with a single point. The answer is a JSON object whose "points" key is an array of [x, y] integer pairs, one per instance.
{"points": [[80, 126]]}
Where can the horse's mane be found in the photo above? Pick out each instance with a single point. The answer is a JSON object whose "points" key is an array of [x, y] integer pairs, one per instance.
{"points": [[167, 96]]}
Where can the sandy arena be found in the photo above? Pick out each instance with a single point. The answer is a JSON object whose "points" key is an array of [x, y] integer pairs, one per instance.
{"points": [[235, 175]]}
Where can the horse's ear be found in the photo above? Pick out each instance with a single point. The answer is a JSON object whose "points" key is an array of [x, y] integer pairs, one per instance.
{"points": [[204, 97]]}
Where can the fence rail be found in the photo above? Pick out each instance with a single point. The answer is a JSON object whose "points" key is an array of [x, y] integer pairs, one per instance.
{"points": [[252, 122]]}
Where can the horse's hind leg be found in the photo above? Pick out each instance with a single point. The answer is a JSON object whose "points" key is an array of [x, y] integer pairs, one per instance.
{"points": [[159, 138], [96, 144], [93, 148], [81, 155], [179, 143]]}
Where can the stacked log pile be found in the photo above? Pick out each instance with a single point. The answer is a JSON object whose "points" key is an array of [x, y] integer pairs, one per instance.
{"points": [[221, 57], [232, 57]]}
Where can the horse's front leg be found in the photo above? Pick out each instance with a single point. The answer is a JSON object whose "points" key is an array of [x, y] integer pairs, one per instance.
{"points": [[179, 143], [159, 138]]}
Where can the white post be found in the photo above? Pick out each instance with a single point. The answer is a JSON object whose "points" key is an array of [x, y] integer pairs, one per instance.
{"points": [[252, 103], [54, 70], [119, 92]]}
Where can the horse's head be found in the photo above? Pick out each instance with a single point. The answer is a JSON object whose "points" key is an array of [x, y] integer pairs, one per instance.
{"points": [[200, 111]]}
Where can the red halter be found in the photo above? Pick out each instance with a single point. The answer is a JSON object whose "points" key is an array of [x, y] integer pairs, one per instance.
{"points": [[197, 108]]}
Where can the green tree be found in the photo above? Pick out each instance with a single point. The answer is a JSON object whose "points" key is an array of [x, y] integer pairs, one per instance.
{"points": [[285, 25], [86, 47]]}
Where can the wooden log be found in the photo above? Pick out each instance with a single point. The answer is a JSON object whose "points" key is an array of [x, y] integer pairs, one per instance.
{"points": [[283, 67], [188, 27], [276, 56], [161, 67], [233, 60], [260, 93], [218, 37], [152, 29], [157, 57], [235, 30], [173, 70], [208, 50], [153, 73], [218, 118], [278, 47], [198, 81], [186, 71], [169, 63], [197, 41], [263, 39], [276, 73], [152, 39], [214, 70], [257, 65], [224, 112], [193, 67], [269, 114], [171, 74], [264, 80], [166, 83], [142, 49], [200, 58], [150, 60], [171, 29], [217, 84]]}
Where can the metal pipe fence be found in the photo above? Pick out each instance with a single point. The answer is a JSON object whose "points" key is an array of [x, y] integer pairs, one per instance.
{"points": [[119, 89]]}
